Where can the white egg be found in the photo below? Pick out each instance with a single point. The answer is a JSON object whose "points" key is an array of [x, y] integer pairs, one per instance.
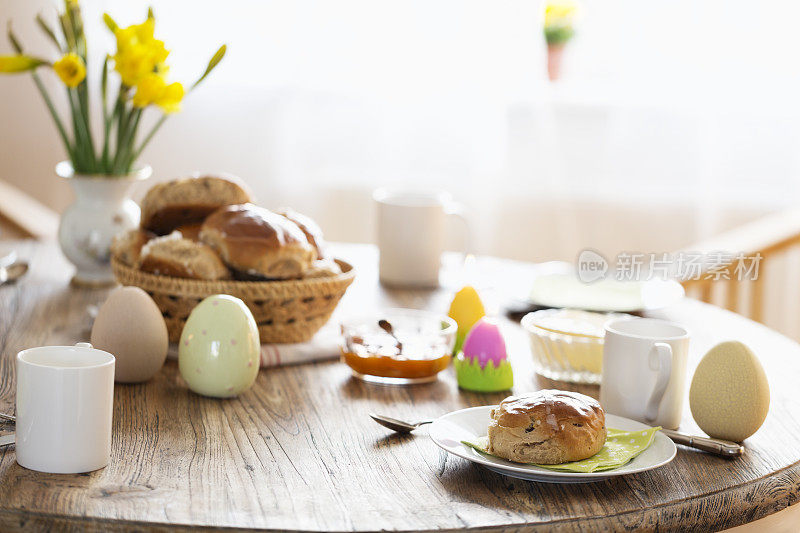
{"points": [[129, 326]]}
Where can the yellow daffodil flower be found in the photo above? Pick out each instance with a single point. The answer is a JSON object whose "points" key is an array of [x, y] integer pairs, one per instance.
{"points": [[139, 53], [145, 32], [150, 88], [560, 13], [559, 18], [18, 63], [136, 34], [170, 100], [70, 69], [134, 64]]}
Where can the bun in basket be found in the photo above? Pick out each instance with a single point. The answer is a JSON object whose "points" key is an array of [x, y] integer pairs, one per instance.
{"points": [[128, 246], [182, 202], [309, 227], [190, 231], [547, 427], [322, 268], [258, 242], [175, 256]]}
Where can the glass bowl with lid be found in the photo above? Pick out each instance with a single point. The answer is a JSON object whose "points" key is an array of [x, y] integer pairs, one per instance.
{"points": [[567, 344], [398, 346]]}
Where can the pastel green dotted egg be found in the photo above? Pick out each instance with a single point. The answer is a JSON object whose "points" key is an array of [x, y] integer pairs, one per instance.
{"points": [[729, 395], [219, 351]]}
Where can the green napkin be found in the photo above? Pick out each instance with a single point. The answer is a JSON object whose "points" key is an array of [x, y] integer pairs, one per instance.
{"points": [[620, 448]]}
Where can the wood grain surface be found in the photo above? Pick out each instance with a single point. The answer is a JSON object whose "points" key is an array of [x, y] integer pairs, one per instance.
{"points": [[298, 452]]}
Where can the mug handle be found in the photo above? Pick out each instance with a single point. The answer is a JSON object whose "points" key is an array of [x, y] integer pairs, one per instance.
{"points": [[457, 210], [660, 360]]}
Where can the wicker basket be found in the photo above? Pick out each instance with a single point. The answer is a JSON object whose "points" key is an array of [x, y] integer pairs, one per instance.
{"points": [[285, 311]]}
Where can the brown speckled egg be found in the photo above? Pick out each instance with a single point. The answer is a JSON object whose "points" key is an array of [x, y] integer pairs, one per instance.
{"points": [[129, 325], [729, 395]]}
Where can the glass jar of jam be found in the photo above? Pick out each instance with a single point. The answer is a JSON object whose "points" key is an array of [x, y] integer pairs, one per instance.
{"points": [[398, 346]]}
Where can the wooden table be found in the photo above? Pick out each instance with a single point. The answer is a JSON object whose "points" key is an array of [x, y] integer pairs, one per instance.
{"points": [[298, 452]]}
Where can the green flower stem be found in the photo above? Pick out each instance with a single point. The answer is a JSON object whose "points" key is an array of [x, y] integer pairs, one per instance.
{"points": [[82, 90], [85, 110], [76, 20], [66, 28], [82, 141], [77, 161], [54, 114], [119, 160], [115, 118], [128, 160], [106, 117], [49, 32], [122, 124], [149, 136], [124, 148], [80, 108], [15, 44]]}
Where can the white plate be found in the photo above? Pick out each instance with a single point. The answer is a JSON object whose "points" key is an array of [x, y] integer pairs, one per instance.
{"points": [[608, 295], [469, 424]]}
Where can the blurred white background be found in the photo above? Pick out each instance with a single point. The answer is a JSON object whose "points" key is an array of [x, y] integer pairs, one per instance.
{"points": [[673, 120]]}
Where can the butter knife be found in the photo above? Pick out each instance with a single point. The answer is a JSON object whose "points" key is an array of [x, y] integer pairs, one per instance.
{"points": [[5, 440], [724, 448]]}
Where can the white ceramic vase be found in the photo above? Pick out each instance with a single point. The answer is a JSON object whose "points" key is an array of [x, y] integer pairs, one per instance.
{"points": [[102, 209]]}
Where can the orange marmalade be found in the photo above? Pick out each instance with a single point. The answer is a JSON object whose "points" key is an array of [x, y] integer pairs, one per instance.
{"points": [[401, 346], [392, 367]]}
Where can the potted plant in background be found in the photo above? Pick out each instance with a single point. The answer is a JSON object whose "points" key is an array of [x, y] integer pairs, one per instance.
{"points": [[559, 17], [101, 168]]}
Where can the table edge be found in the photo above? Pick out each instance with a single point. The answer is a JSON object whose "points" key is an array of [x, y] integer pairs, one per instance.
{"points": [[776, 496]]}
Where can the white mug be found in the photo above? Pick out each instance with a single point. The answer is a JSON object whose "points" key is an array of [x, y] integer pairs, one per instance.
{"points": [[65, 397], [411, 235], [644, 370]]}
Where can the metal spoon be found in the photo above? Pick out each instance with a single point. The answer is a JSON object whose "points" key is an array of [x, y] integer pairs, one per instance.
{"points": [[386, 326], [12, 272], [723, 448], [5, 440], [397, 425]]}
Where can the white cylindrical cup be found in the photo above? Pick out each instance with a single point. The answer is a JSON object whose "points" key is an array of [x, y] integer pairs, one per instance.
{"points": [[65, 397], [411, 235], [644, 370]]}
